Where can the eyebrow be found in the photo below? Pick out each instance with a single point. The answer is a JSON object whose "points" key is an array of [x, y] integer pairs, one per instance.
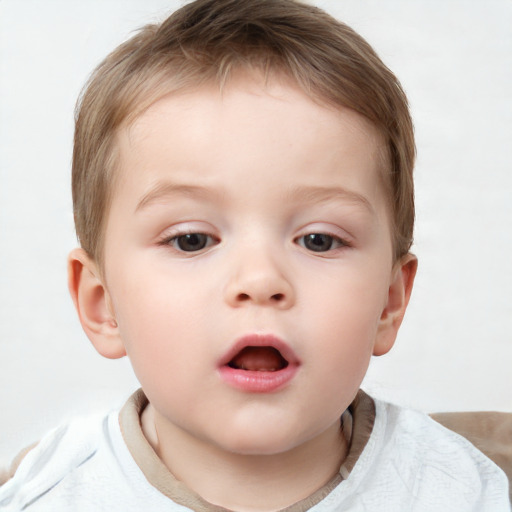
{"points": [[317, 194], [302, 194], [168, 189]]}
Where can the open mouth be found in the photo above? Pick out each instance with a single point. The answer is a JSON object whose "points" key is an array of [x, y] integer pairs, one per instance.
{"points": [[259, 363], [258, 359]]}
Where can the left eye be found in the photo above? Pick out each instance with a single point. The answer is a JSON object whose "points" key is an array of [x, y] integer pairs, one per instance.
{"points": [[191, 242], [320, 242]]}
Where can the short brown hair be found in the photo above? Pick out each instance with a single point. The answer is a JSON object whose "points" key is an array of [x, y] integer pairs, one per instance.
{"points": [[204, 42]]}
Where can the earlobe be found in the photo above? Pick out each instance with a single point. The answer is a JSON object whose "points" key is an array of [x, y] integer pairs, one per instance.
{"points": [[93, 306], [399, 294]]}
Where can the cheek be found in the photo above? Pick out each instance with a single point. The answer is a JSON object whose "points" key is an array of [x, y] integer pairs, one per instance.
{"points": [[158, 321], [148, 297], [350, 299], [344, 322]]}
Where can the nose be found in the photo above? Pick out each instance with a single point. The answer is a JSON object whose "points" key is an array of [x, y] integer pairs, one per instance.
{"points": [[258, 279]]}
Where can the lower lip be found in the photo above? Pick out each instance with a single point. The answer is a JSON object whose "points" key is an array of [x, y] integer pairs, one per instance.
{"points": [[258, 382]]}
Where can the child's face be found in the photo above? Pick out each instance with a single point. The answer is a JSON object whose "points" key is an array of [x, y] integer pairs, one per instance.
{"points": [[250, 217]]}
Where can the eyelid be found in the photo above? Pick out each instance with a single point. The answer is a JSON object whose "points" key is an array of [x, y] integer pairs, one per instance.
{"points": [[172, 242], [187, 228], [343, 239], [326, 229], [341, 242]]}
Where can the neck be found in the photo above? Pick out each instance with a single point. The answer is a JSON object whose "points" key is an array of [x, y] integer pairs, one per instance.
{"points": [[247, 483]]}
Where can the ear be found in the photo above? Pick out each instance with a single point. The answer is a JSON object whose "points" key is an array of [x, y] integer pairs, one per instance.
{"points": [[399, 293], [93, 305]]}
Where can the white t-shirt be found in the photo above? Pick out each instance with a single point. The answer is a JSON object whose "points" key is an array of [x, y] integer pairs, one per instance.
{"points": [[399, 460]]}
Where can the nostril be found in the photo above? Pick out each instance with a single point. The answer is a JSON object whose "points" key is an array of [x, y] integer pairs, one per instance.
{"points": [[244, 297]]}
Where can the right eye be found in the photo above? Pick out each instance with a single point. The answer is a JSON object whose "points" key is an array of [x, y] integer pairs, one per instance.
{"points": [[190, 242]]}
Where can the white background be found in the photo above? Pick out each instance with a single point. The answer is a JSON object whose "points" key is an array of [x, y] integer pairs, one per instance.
{"points": [[454, 58]]}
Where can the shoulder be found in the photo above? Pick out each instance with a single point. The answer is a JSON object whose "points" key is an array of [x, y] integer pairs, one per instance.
{"points": [[432, 463], [421, 439], [489, 431], [435, 439], [57, 455], [82, 466], [6, 473]]}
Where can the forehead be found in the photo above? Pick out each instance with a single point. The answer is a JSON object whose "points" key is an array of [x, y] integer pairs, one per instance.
{"points": [[242, 88], [197, 133]]}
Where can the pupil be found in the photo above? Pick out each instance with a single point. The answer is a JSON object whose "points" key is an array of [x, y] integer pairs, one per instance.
{"points": [[318, 242], [192, 242]]}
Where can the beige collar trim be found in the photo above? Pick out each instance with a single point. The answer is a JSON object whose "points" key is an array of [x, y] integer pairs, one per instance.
{"points": [[359, 419]]}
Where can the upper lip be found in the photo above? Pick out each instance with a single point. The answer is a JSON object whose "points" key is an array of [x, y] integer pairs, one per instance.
{"points": [[260, 340]]}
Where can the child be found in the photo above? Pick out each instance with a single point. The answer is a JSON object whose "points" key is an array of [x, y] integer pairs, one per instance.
{"points": [[242, 185]]}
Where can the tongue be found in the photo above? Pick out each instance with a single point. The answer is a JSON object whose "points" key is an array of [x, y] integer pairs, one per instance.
{"points": [[260, 359]]}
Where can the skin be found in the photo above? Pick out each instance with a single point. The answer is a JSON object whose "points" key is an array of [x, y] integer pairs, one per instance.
{"points": [[262, 170]]}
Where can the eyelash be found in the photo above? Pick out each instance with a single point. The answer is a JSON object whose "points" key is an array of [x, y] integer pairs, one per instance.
{"points": [[174, 240], [332, 240], [205, 240]]}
